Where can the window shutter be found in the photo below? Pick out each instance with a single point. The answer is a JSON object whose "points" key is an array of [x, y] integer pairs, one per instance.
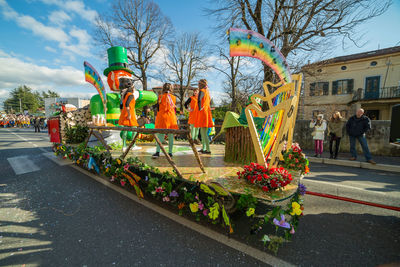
{"points": [[326, 88], [350, 86], [334, 87]]}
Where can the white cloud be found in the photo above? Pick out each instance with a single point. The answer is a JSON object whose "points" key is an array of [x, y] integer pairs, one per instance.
{"points": [[59, 17], [218, 96], [15, 72], [80, 9], [77, 7], [50, 49], [83, 45], [39, 29], [4, 93], [76, 42]]}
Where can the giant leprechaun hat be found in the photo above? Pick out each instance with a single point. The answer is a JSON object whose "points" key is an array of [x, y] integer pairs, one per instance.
{"points": [[117, 60]]}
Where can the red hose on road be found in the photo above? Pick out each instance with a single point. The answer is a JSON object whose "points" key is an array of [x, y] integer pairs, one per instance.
{"points": [[354, 201]]}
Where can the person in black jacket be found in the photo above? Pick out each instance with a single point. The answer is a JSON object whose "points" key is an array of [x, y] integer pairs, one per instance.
{"points": [[356, 128]]}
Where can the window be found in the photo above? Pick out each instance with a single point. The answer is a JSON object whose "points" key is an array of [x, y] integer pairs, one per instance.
{"points": [[319, 88], [372, 114], [342, 87], [343, 68], [374, 63]]}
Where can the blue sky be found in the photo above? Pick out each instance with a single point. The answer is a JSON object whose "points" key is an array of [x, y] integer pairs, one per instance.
{"points": [[44, 42]]}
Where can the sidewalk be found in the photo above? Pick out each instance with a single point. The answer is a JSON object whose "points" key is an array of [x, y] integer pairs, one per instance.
{"points": [[384, 163]]}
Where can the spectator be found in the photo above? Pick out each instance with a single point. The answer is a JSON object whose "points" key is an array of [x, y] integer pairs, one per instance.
{"points": [[318, 134], [36, 124], [335, 129], [356, 128]]}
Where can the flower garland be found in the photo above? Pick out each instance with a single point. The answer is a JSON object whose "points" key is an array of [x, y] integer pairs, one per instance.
{"points": [[203, 201]]}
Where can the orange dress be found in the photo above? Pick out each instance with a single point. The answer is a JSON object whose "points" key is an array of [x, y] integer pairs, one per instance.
{"points": [[166, 117], [204, 116], [194, 108], [123, 118]]}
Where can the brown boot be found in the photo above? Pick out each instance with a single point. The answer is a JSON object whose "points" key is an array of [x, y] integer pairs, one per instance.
{"points": [[353, 159], [371, 161]]}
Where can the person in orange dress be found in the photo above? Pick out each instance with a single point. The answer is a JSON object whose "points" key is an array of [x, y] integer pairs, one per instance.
{"points": [[204, 116], [191, 105], [166, 117], [128, 114]]}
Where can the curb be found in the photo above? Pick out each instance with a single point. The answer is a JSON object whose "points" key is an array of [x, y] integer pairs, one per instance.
{"points": [[357, 164]]}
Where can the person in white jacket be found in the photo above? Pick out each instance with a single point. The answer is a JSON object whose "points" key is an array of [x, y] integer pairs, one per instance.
{"points": [[318, 134]]}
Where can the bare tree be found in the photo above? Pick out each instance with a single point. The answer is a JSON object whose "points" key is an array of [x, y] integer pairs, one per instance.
{"points": [[140, 27], [229, 66], [298, 25], [186, 59]]}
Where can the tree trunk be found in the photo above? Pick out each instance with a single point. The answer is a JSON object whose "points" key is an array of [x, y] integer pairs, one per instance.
{"points": [[144, 80]]}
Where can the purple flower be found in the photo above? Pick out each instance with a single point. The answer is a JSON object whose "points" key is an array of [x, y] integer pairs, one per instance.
{"points": [[201, 205], [302, 189], [282, 222], [146, 178], [174, 194], [292, 231]]}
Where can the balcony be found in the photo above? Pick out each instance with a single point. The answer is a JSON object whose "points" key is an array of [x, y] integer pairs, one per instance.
{"points": [[381, 93]]}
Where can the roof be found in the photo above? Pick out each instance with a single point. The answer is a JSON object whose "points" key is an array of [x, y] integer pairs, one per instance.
{"points": [[374, 53]]}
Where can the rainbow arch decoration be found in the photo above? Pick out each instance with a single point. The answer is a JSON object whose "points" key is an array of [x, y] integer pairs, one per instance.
{"points": [[248, 43], [92, 77], [279, 118]]}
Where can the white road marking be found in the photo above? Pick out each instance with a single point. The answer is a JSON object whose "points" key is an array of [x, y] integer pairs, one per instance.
{"points": [[22, 164], [58, 160], [223, 239], [23, 138], [342, 185]]}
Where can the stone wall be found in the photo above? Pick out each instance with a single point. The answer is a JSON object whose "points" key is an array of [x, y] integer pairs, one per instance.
{"points": [[377, 137]]}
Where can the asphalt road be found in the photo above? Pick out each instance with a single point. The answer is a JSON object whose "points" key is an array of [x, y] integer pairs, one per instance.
{"points": [[57, 216]]}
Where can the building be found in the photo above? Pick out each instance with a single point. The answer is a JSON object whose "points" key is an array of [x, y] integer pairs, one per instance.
{"points": [[369, 80], [49, 103]]}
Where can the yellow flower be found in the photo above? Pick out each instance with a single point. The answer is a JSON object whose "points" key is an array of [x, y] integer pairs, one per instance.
{"points": [[194, 207], [107, 169], [119, 161], [250, 212], [295, 209], [77, 162]]}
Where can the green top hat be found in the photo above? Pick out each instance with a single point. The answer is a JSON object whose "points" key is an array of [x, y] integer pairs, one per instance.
{"points": [[117, 59]]}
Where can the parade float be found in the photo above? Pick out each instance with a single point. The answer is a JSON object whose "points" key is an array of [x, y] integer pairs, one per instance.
{"points": [[222, 188]]}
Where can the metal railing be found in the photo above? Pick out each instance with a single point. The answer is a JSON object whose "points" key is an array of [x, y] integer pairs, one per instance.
{"points": [[382, 93]]}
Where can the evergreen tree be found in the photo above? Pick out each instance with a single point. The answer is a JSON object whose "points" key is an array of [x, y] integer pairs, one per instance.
{"points": [[22, 98]]}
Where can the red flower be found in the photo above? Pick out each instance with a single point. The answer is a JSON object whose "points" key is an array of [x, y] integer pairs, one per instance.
{"points": [[265, 189]]}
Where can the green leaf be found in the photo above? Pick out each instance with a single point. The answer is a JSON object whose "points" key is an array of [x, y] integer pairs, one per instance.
{"points": [[225, 216], [250, 212], [265, 239], [206, 189], [219, 189], [214, 212]]}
